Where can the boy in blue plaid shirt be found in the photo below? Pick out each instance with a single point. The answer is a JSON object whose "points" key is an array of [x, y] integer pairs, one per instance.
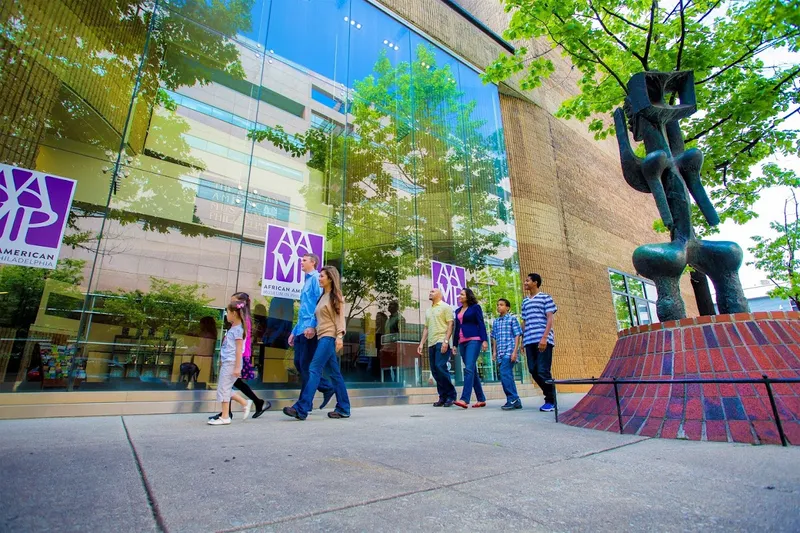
{"points": [[506, 339]]}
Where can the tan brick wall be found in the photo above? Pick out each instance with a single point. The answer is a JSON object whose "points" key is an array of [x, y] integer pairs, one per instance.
{"points": [[575, 215]]}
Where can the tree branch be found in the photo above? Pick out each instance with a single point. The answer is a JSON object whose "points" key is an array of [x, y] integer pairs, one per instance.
{"points": [[760, 47], [708, 130], [623, 19], [707, 13], [755, 141], [653, 6], [613, 36], [683, 36], [597, 59]]}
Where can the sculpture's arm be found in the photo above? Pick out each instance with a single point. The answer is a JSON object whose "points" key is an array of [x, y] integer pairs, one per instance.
{"points": [[631, 164], [689, 163], [643, 175]]}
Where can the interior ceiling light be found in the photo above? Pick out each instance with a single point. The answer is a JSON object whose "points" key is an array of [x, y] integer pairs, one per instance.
{"points": [[397, 48], [346, 19], [385, 41]]}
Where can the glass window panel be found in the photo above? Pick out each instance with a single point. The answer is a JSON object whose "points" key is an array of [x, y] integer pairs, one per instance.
{"points": [[622, 311], [643, 311], [242, 20], [650, 291], [635, 287], [171, 245], [617, 281], [66, 88]]}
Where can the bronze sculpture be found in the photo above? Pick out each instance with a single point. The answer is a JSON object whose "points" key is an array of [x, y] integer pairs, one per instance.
{"points": [[671, 173]]}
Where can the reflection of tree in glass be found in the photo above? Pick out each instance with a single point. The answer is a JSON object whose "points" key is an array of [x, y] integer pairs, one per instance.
{"points": [[167, 309], [23, 287], [90, 54], [418, 177]]}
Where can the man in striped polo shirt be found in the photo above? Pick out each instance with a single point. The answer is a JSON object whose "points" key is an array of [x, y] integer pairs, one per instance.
{"points": [[537, 316]]}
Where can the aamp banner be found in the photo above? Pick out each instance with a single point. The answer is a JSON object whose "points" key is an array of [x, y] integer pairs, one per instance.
{"points": [[450, 279], [283, 252], [34, 208]]}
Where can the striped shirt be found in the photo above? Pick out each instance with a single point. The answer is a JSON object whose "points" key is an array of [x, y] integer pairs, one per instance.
{"points": [[534, 314], [505, 331]]}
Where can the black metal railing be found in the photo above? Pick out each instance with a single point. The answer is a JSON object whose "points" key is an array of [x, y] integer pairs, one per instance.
{"points": [[764, 380]]}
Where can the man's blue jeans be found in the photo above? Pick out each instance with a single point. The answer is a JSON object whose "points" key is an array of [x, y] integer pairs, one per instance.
{"points": [[507, 379], [470, 351], [303, 354], [438, 362], [324, 359]]}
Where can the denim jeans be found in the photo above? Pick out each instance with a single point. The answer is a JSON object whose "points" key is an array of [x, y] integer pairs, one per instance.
{"points": [[324, 359], [470, 351], [539, 364], [438, 361], [507, 379], [304, 350]]}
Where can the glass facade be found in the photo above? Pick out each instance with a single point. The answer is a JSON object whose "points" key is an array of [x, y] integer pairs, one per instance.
{"points": [[190, 126]]}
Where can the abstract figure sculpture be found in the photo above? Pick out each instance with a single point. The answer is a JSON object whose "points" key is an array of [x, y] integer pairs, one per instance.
{"points": [[670, 173]]}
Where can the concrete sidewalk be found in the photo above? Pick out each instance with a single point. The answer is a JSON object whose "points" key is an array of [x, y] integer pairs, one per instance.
{"points": [[399, 468]]}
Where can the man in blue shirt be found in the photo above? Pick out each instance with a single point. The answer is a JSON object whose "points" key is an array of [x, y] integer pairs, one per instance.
{"points": [[304, 333], [506, 338], [537, 315]]}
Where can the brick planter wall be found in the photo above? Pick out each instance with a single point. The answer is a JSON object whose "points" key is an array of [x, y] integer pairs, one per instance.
{"points": [[725, 346]]}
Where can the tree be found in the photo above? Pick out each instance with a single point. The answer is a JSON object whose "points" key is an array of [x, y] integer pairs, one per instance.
{"points": [[745, 100], [416, 166], [22, 289], [166, 310], [779, 256], [104, 62]]}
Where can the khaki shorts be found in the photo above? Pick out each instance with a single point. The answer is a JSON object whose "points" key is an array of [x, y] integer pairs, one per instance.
{"points": [[225, 381]]}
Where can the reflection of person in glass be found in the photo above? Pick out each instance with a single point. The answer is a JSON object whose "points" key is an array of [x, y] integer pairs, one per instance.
{"points": [[330, 332], [395, 323], [303, 336], [470, 334], [437, 331], [205, 350], [279, 323]]}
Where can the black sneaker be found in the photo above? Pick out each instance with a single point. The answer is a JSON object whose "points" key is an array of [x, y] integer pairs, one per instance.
{"points": [[265, 405], [518, 404], [448, 403], [440, 403], [216, 416]]}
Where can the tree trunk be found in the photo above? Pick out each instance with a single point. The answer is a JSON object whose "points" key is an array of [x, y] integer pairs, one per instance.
{"points": [[702, 294]]}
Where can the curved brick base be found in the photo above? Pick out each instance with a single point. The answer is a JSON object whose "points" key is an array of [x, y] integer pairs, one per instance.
{"points": [[725, 346]]}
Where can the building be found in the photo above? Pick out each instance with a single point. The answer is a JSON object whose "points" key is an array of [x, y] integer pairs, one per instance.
{"points": [[190, 127]]}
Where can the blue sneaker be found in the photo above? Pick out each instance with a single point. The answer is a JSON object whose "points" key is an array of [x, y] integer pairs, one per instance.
{"points": [[547, 407]]}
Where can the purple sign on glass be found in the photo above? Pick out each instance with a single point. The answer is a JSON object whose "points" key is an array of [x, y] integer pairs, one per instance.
{"points": [[284, 249], [34, 208], [449, 279]]}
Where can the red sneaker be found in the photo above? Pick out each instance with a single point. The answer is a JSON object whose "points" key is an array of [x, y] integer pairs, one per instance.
{"points": [[478, 404], [461, 404]]}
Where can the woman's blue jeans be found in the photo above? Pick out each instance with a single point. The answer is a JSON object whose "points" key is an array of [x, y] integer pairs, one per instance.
{"points": [[470, 351], [324, 359]]}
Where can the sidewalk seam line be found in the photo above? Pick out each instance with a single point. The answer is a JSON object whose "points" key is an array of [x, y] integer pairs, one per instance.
{"points": [[151, 498]]}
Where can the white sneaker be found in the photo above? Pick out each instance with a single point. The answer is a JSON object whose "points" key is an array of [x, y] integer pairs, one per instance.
{"points": [[247, 409], [219, 421]]}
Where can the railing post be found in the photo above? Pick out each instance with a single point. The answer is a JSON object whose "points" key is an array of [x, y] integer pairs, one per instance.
{"points": [[619, 410], [555, 401], [777, 416]]}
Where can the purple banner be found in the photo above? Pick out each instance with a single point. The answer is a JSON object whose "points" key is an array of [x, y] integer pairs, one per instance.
{"points": [[34, 208], [449, 279], [283, 251]]}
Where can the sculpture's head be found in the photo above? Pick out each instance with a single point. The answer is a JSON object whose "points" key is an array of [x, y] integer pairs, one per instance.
{"points": [[648, 99]]}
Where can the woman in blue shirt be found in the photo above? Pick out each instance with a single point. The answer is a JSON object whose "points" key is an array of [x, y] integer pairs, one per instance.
{"points": [[470, 337]]}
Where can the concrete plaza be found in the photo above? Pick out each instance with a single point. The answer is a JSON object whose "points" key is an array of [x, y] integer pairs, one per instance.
{"points": [[398, 468]]}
